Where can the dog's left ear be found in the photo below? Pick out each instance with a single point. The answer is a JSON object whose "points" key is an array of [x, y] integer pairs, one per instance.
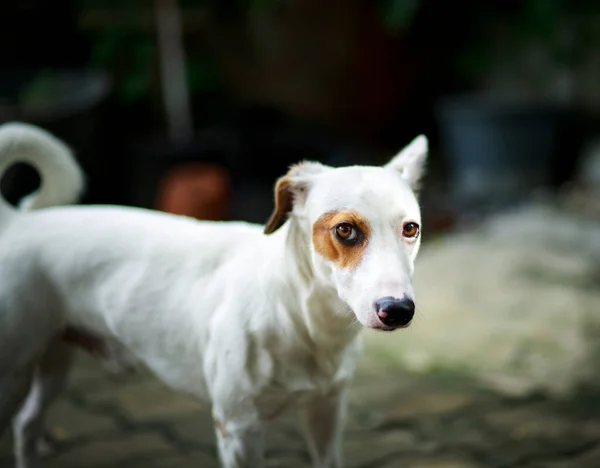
{"points": [[290, 189], [410, 162]]}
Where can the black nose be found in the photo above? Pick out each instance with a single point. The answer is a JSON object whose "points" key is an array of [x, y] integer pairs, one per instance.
{"points": [[395, 312]]}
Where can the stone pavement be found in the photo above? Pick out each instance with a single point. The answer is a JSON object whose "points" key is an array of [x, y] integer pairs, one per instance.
{"points": [[395, 420]]}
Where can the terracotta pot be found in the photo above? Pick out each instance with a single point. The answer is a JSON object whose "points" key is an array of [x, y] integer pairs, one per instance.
{"points": [[196, 189]]}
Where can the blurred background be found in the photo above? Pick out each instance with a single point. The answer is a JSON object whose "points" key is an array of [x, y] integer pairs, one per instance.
{"points": [[196, 106], [219, 97]]}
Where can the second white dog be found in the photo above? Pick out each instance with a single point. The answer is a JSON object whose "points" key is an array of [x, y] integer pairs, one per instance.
{"points": [[254, 322]]}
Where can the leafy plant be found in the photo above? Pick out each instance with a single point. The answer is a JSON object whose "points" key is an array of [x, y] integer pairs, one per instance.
{"points": [[130, 51], [397, 15]]}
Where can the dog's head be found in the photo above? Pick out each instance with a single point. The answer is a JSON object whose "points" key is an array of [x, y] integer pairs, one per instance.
{"points": [[365, 225]]}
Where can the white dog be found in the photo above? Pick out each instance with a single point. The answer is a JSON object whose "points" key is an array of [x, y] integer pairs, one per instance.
{"points": [[254, 322]]}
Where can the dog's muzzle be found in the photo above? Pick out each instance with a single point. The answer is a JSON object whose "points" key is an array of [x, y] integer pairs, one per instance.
{"points": [[395, 313]]}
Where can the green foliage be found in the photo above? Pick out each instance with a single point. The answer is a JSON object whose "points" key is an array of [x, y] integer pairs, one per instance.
{"points": [[39, 93], [566, 28], [397, 15], [202, 74], [131, 54], [475, 61]]}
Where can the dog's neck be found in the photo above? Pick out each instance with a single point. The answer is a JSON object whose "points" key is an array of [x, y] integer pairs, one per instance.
{"points": [[327, 319]]}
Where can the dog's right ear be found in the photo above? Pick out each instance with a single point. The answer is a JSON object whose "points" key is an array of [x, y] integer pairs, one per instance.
{"points": [[410, 162], [290, 189]]}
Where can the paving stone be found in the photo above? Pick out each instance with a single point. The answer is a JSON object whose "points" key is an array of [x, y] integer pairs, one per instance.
{"points": [[396, 420], [373, 390], [194, 429], [66, 421], [110, 452], [377, 446], [419, 404], [439, 462], [462, 433], [589, 459], [590, 429], [146, 400], [88, 374], [528, 422], [86, 370], [195, 459], [286, 434], [288, 461]]}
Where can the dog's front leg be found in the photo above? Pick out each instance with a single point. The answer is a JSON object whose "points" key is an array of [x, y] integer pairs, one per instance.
{"points": [[238, 422], [324, 418], [240, 440]]}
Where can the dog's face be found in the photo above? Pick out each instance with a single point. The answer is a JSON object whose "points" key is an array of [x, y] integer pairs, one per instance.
{"points": [[364, 224]]}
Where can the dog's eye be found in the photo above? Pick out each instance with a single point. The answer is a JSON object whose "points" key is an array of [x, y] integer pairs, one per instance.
{"points": [[346, 232], [410, 230]]}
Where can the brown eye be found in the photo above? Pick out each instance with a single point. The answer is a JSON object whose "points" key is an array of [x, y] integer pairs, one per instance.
{"points": [[346, 232], [410, 230]]}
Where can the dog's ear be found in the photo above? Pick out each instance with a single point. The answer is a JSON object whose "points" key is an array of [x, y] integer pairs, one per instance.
{"points": [[410, 162], [290, 189], [284, 202]]}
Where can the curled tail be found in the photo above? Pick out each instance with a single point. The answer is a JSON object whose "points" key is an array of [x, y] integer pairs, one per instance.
{"points": [[62, 180]]}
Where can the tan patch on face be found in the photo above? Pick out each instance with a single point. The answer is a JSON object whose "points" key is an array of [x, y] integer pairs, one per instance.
{"points": [[329, 246]]}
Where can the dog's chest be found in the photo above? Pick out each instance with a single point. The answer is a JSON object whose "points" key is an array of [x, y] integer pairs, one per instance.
{"points": [[296, 378]]}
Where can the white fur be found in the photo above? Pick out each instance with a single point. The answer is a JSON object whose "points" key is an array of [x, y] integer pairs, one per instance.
{"points": [[253, 323], [63, 181]]}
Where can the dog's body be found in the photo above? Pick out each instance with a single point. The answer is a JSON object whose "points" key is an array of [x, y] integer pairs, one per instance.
{"points": [[255, 324]]}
